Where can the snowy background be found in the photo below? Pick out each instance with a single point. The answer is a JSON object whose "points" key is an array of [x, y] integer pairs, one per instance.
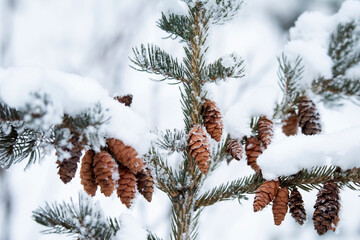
{"points": [[93, 39]]}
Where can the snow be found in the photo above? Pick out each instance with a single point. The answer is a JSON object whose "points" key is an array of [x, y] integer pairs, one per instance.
{"points": [[130, 229], [51, 94], [290, 155], [310, 39]]}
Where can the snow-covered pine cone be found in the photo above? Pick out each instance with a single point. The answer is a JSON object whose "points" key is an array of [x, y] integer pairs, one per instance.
{"points": [[234, 148], [68, 166], [253, 149], [296, 205], [126, 186], [290, 125], [265, 130], [199, 148], [309, 118], [212, 119], [126, 99], [327, 207], [126, 155], [104, 167], [87, 174], [265, 194], [145, 184], [280, 205]]}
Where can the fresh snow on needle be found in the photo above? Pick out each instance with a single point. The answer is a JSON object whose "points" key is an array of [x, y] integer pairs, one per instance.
{"points": [[290, 155]]}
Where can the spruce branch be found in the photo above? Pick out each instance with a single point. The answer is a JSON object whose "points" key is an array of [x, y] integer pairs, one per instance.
{"points": [[231, 66], [82, 220], [289, 75], [8, 114], [344, 51], [222, 11], [152, 59], [18, 143], [177, 26], [172, 141]]}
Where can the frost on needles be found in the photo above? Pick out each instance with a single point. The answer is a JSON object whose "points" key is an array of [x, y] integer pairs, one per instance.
{"points": [[55, 110]]}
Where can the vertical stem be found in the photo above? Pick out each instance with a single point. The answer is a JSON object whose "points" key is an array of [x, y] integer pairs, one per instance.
{"points": [[183, 217]]}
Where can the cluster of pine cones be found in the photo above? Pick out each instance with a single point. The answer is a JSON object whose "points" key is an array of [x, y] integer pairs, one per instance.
{"points": [[198, 144], [116, 166], [327, 206]]}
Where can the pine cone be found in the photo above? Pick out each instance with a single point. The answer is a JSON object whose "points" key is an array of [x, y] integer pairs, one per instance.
{"points": [[265, 194], [145, 184], [126, 155], [309, 118], [234, 148], [67, 167], [291, 125], [199, 148], [280, 205], [253, 150], [126, 186], [266, 131], [87, 173], [212, 119], [104, 167], [327, 207], [297, 207], [126, 99]]}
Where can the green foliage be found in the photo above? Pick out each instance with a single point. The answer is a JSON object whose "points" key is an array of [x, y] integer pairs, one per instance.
{"points": [[82, 220], [152, 59], [217, 71], [172, 141], [18, 143], [289, 75], [345, 53], [9, 114], [177, 26]]}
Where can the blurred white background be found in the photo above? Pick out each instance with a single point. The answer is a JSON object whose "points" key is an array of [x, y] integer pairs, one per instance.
{"points": [[94, 38]]}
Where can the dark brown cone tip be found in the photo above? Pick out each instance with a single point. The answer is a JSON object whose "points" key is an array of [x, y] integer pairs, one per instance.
{"points": [[199, 148], [253, 149], [280, 205], [327, 207], [68, 167], [290, 125], [265, 194], [126, 186], [309, 118], [212, 120], [296, 205], [104, 166], [234, 148], [265, 129], [126, 99], [145, 184], [87, 174], [126, 155]]}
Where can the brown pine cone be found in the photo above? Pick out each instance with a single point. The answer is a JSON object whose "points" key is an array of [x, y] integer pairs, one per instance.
{"points": [[265, 130], [234, 148], [126, 99], [126, 188], [212, 119], [87, 173], [145, 184], [296, 205], [104, 166], [309, 118], [253, 149], [199, 148], [126, 155], [265, 194], [327, 207], [67, 167], [291, 125], [280, 205]]}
